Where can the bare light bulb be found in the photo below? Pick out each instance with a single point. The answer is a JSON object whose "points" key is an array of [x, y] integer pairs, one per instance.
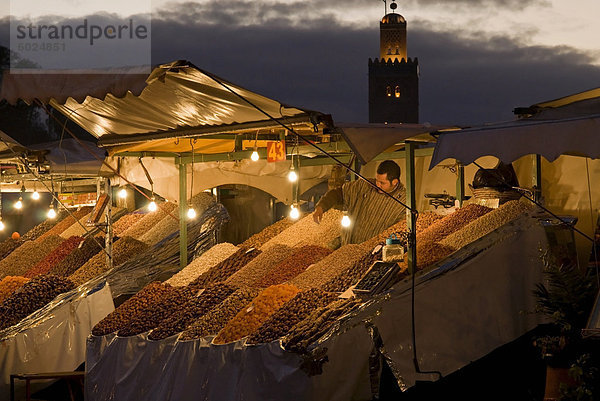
{"points": [[254, 156], [345, 221], [191, 213], [19, 203], [51, 212], [152, 206], [294, 212], [1, 225], [122, 193], [292, 176], [35, 195]]}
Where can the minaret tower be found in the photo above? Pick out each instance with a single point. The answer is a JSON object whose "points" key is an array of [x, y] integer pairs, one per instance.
{"points": [[393, 78]]}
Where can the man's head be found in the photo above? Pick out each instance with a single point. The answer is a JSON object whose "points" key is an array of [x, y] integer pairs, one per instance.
{"points": [[388, 176]]}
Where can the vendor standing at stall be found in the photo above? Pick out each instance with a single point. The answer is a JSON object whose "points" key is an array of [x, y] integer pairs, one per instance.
{"points": [[370, 210]]}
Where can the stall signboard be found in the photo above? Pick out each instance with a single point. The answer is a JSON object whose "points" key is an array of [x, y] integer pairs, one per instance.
{"points": [[74, 199], [275, 151]]}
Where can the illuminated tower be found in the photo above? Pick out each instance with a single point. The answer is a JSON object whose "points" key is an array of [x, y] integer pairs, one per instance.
{"points": [[393, 78]]}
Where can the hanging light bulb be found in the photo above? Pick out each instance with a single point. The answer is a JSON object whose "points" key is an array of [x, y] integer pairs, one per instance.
{"points": [[191, 213], [123, 193], [1, 224], [51, 212], [19, 203], [254, 156], [35, 195], [152, 205], [294, 212], [292, 176], [346, 221]]}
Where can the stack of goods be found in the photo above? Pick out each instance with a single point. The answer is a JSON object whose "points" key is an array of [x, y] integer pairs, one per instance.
{"points": [[225, 269], [217, 318], [252, 316], [123, 249], [44, 227], [307, 232], [202, 263], [259, 239], [78, 228], [10, 284], [167, 225], [126, 222], [400, 230], [292, 312], [351, 275], [9, 245], [148, 298], [30, 297], [260, 266], [317, 324], [192, 311], [66, 222], [330, 266], [476, 229], [28, 255], [149, 220], [293, 265], [202, 201], [85, 251], [54, 257]]}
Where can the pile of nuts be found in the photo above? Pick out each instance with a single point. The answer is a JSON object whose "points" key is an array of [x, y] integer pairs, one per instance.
{"points": [[77, 228], [260, 266], [290, 314], [202, 263], [293, 265], [9, 284], [167, 225], [451, 223], [67, 222], [86, 250], [225, 269], [9, 245], [149, 220], [54, 257], [123, 249], [28, 255], [256, 313], [191, 311], [218, 317], [351, 275], [33, 295], [259, 239], [43, 227], [317, 324], [329, 267], [125, 222], [476, 229], [307, 232]]}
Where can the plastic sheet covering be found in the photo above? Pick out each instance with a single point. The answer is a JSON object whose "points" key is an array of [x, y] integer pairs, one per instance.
{"points": [[54, 337], [466, 306], [161, 261]]}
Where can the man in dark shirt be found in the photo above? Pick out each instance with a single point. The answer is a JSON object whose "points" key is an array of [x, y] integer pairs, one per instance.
{"points": [[370, 210]]}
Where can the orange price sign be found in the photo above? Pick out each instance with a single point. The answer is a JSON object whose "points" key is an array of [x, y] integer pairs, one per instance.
{"points": [[275, 151]]}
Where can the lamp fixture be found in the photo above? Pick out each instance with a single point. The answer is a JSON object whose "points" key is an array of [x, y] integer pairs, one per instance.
{"points": [[292, 176], [1, 224], [19, 203], [152, 205], [122, 193], [294, 212], [254, 156], [35, 195], [191, 213], [51, 211], [346, 220]]}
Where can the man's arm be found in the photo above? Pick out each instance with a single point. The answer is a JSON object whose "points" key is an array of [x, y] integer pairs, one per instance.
{"points": [[332, 197]]}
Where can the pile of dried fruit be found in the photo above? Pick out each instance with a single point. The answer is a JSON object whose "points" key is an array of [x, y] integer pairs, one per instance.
{"points": [[225, 269], [293, 311], [86, 250], [260, 266], [147, 298], [202, 263], [317, 324], [53, 258], [351, 275], [259, 239], [307, 232], [330, 266], [256, 313], [78, 228], [9, 284], [43, 227], [218, 317], [150, 220], [123, 249], [126, 222], [451, 223], [67, 222], [191, 311], [33, 295], [485, 224], [293, 265], [9, 245], [167, 225], [28, 255]]}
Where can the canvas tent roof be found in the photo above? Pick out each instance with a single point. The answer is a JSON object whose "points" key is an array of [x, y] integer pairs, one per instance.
{"points": [[569, 125]]}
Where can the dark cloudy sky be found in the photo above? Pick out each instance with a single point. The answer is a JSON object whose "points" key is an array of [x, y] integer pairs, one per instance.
{"points": [[478, 58]]}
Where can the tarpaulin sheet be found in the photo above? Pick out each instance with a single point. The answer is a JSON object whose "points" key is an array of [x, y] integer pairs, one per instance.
{"points": [[470, 304], [53, 338]]}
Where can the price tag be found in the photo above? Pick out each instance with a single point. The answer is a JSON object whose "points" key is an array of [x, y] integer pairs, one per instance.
{"points": [[275, 151]]}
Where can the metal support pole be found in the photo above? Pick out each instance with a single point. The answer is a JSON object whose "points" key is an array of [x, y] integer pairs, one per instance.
{"points": [[460, 184], [411, 201], [182, 214], [537, 177], [109, 232]]}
